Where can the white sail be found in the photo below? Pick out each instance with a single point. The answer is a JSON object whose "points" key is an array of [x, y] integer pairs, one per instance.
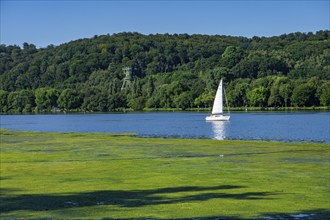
{"points": [[217, 110], [217, 104]]}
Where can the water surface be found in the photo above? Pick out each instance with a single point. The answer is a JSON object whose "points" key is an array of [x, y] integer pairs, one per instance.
{"points": [[272, 126]]}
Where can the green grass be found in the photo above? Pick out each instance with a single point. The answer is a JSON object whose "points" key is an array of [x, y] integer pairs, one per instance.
{"points": [[104, 176]]}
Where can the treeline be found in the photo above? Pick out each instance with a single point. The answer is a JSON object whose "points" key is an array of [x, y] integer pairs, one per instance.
{"points": [[169, 71], [176, 90]]}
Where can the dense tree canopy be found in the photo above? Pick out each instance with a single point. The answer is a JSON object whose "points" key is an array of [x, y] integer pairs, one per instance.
{"points": [[169, 71]]}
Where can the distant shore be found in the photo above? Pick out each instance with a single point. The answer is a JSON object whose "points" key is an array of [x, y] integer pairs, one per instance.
{"points": [[247, 109], [235, 109]]}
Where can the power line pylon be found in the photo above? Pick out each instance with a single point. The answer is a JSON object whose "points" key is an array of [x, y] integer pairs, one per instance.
{"points": [[128, 78]]}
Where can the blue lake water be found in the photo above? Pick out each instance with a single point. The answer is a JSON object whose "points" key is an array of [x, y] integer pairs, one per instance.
{"points": [[269, 126]]}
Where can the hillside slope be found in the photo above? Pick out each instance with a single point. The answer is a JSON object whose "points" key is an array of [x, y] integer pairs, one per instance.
{"points": [[179, 70]]}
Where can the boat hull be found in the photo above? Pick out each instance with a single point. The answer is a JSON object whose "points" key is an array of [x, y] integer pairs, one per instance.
{"points": [[217, 118]]}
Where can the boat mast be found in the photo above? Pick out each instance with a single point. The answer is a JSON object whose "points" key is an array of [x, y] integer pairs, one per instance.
{"points": [[224, 92]]}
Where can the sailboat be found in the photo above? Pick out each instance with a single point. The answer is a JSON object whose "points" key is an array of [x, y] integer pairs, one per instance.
{"points": [[217, 109]]}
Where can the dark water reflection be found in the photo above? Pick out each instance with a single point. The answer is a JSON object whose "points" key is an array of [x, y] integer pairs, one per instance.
{"points": [[276, 126]]}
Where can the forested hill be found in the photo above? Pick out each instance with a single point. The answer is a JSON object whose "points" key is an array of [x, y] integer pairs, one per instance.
{"points": [[168, 71]]}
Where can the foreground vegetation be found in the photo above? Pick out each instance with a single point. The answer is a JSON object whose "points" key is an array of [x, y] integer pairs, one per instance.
{"points": [[100, 176], [168, 71]]}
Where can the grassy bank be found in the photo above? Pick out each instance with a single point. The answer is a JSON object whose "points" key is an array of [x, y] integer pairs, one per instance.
{"points": [[100, 176]]}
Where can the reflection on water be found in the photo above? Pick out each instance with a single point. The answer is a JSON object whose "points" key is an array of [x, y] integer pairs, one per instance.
{"points": [[219, 129]]}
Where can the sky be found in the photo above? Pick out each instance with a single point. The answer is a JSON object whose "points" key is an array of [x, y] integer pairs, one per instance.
{"points": [[47, 22]]}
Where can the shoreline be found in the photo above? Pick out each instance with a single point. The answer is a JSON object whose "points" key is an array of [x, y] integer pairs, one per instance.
{"points": [[206, 110]]}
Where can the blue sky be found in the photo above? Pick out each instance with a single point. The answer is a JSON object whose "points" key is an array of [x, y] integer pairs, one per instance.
{"points": [[57, 21]]}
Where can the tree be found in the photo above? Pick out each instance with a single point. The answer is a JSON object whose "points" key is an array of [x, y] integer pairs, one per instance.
{"points": [[183, 101], [27, 100], [204, 100], [12, 104], [117, 101], [3, 101], [69, 99], [231, 56], [325, 94], [136, 101], [280, 92], [302, 95], [95, 100], [237, 92], [21, 101], [258, 97], [46, 98], [314, 83], [285, 92]]}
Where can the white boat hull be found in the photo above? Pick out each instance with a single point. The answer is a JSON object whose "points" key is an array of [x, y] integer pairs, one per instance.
{"points": [[217, 118]]}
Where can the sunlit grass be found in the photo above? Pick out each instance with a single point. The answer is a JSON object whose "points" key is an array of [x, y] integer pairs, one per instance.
{"points": [[99, 175]]}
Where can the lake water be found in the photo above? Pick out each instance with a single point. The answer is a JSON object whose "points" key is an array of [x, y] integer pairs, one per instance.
{"points": [[274, 126]]}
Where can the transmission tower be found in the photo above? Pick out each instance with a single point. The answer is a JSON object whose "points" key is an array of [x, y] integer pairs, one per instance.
{"points": [[128, 78]]}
